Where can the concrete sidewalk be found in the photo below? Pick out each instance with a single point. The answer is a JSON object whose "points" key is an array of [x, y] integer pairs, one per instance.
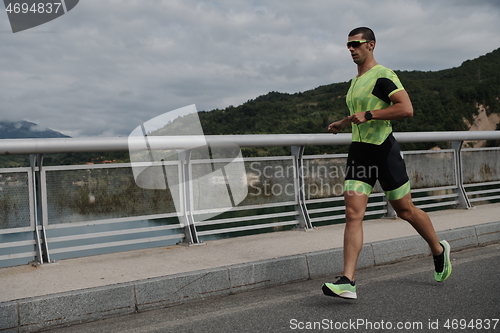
{"points": [[91, 288]]}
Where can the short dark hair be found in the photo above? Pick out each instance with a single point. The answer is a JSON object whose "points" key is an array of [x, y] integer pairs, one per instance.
{"points": [[367, 33]]}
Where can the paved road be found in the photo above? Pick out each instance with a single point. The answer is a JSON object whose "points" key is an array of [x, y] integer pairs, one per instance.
{"points": [[401, 297]]}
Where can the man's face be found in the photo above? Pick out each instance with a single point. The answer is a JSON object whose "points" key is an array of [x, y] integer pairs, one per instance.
{"points": [[359, 54]]}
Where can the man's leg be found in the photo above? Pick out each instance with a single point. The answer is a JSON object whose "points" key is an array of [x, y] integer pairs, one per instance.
{"points": [[355, 203], [406, 210]]}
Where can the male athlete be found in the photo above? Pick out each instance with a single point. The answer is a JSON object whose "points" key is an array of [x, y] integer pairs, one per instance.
{"points": [[375, 97]]}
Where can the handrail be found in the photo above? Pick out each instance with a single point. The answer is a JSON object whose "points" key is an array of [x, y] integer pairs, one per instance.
{"points": [[104, 144], [295, 208]]}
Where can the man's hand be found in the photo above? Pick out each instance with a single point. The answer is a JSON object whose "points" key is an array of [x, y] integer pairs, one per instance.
{"points": [[338, 126], [358, 118], [335, 127]]}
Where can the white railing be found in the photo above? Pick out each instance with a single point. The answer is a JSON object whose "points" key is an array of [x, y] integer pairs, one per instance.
{"points": [[56, 212]]}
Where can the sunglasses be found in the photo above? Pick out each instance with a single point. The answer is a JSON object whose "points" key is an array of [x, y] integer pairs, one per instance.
{"points": [[356, 43]]}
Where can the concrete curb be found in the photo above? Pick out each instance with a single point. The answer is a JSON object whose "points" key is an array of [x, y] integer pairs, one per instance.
{"points": [[80, 306]]}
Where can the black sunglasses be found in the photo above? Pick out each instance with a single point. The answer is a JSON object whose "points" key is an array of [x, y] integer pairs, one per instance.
{"points": [[356, 43]]}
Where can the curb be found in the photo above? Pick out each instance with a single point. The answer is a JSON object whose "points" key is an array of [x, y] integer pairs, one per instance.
{"points": [[81, 306]]}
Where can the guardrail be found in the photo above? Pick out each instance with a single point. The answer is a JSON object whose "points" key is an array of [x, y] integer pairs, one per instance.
{"points": [[55, 212]]}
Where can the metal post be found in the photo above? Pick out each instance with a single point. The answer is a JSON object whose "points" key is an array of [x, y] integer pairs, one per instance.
{"points": [[42, 248], [36, 210], [187, 213], [463, 200], [301, 207], [391, 213], [42, 185]]}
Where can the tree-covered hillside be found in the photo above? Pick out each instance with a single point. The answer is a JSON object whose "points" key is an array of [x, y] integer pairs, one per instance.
{"points": [[441, 101], [25, 129]]}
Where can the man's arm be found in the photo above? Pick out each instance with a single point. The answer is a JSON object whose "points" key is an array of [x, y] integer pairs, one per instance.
{"points": [[338, 126], [401, 108]]}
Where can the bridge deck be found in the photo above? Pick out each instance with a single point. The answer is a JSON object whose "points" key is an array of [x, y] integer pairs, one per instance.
{"points": [[385, 241]]}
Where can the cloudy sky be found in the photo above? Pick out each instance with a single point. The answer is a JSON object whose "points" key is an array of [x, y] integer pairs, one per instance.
{"points": [[107, 66]]}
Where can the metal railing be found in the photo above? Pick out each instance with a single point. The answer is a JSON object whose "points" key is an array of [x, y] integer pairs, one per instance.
{"points": [[55, 212]]}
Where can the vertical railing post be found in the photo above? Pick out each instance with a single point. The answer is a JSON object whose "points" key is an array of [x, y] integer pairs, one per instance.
{"points": [[36, 210], [391, 213], [186, 197], [42, 249], [301, 208], [463, 200]]}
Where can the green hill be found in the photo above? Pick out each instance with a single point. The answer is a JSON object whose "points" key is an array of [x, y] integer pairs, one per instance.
{"points": [[22, 130], [441, 101], [25, 129]]}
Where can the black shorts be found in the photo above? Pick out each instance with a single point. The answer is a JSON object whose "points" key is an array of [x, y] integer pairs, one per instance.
{"points": [[368, 162]]}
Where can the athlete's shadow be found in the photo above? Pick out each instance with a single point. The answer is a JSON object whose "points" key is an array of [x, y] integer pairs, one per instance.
{"points": [[321, 301]]}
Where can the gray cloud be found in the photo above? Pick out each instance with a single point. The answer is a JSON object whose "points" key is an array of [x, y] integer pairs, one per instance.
{"points": [[107, 66]]}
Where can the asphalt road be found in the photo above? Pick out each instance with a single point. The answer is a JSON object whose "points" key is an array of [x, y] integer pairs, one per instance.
{"points": [[401, 297]]}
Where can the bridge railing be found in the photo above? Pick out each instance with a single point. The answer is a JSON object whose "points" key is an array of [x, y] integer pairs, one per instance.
{"points": [[55, 212]]}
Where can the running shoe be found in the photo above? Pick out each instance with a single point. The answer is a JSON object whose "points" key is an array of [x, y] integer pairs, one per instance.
{"points": [[442, 263], [344, 288]]}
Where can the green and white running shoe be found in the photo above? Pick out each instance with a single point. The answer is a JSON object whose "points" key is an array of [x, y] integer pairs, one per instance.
{"points": [[442, 263], [344, 288]]}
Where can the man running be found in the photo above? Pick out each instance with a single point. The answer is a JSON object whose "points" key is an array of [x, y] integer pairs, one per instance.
{"points": [[375, 97]]}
